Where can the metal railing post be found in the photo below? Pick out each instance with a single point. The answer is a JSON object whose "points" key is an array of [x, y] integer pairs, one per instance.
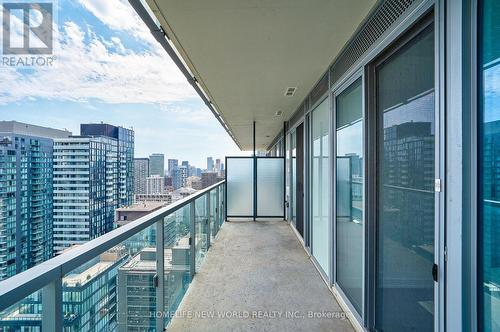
{"points": [[192, 238], [160, 275], [208, 229], [52, 318], [217, 209]]}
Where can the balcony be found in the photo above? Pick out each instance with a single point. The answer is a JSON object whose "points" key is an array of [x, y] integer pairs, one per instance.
{"points": [[376, 207], [211, 275], [257, 276], [118, 281]]}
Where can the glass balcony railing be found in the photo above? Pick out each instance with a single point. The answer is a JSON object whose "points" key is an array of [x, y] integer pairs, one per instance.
{"points": [[132, 278]]}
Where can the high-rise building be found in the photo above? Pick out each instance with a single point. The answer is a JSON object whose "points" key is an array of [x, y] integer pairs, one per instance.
{"points": [[179, 177], [88, 299], [125, 160], [172, 164], [91, 179], [141, 172], [26, 153], [137, 313], [155, 184], [157, 164], [168, 181], [192, 171], [217, 165], [210, 164], [185, 163], [85, 189]]}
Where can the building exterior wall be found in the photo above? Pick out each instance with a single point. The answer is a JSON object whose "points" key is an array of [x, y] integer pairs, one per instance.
{"points": [[208, 179], [179, 177], [157, 164], [155, 185], [141, 172], [172, 164], [26, 222]]}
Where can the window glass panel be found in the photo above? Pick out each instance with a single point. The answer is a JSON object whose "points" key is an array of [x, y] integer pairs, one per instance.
{"points": [[349, 193], [405, 235], [489, 169], [270, 187], [239, 175], [177, 277], [320, 195]]}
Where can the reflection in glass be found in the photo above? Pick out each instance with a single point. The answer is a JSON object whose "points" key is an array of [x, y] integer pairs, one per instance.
{"points": [[177, 275], [320, 195], [489, 169], [270, 187], [213, 223], [239, 186], [405, 236], [201, 229], [349, 193]]}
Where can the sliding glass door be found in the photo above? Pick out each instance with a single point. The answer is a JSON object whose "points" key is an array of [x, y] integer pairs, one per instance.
{"points": [[489, 168], [405, 109], [320, 185], [349, 193]]}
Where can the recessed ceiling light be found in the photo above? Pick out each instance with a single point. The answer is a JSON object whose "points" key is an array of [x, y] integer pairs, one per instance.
{"points": [[290, 91]]}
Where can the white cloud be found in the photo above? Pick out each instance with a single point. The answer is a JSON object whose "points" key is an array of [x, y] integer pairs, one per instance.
{"points": [[119, 15], [89, 67], [86, 69]]}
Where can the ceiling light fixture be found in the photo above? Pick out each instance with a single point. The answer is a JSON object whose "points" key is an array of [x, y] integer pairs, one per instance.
{"points": [[290, 91]]}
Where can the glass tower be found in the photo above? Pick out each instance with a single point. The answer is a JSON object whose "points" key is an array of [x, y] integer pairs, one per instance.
{"points": [[25, 195]]}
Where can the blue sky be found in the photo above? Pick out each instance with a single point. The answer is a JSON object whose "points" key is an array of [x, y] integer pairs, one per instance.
{"points": [[109, 68]]}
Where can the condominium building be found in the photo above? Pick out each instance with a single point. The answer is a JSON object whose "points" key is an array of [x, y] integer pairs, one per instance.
{"points": [[210, 164], [155, 184], [125, 160], [136, 286], [217, 165], [141, 172], [89, 299], [26, 153], [91, 179], [85, 189], [157, 164], [172, 164], [179, 177]]}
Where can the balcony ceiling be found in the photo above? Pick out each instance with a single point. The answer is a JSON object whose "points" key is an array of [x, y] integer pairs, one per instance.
{"points": [[245, 53]]}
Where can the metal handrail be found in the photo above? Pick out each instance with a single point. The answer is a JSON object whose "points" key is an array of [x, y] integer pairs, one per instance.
{"points": [[21, 285]]}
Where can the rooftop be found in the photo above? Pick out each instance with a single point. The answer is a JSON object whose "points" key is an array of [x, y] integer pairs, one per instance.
{"points": [[32, 130], [141, 207]]}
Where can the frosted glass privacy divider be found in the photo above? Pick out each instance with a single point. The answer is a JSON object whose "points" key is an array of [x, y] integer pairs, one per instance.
{"points": [[239, 186], [270, 187]]}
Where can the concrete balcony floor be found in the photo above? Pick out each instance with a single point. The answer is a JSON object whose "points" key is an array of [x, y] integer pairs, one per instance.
{"points": [[257, 277]]}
